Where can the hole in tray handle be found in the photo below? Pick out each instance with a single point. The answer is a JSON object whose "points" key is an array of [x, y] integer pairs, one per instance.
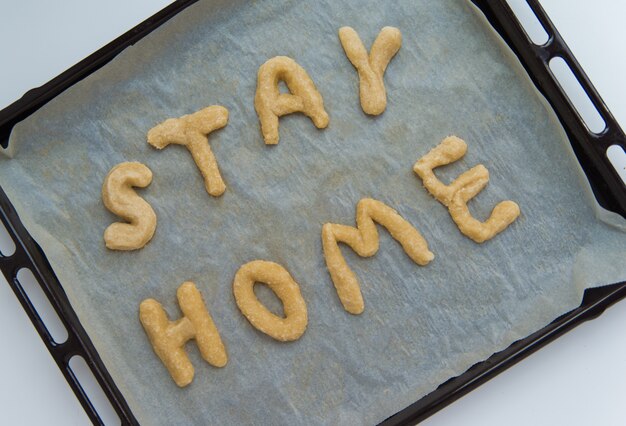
{"points": [[41, 304], [617, 157], [533, 28], [583, 105], [90, 386], [7, 245]]}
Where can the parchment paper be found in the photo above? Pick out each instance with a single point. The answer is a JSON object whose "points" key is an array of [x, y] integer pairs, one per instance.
{"points": [[421, 325]]}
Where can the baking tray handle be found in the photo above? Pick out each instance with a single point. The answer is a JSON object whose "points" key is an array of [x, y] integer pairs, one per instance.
{"points": [[28, 255], [34, 99], [590, 148]]}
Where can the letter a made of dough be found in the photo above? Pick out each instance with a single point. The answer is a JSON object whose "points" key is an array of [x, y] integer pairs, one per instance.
{"points": [[371, 68], [120, 198], [364, 241], [456, 195], [271, 104], [277, 278], [192, 131], [168, 338]]}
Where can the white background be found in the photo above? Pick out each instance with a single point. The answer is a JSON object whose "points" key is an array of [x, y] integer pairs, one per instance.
{"points": [[579, 379]]}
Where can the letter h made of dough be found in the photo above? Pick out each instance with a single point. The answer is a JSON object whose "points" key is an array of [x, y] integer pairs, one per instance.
{"points": [[168, 338], [456, 195]]}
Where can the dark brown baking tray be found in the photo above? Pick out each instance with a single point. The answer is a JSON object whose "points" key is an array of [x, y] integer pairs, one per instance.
{"points": [[590, 149]]}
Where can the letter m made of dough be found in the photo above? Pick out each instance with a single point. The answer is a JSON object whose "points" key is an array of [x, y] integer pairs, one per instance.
{"points": [[364, 241], [168, 338]]}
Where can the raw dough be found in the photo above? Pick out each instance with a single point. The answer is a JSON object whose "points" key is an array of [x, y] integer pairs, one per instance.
{"points": [[371, 68], [192, 131], [456, 195], [283, 285], [120, 198], [364, 241], [503, 214], [271, 104], [168, 338], [448, 151]]}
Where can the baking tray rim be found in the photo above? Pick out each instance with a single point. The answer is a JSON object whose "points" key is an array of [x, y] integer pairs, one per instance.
{"points": [[587, 146]]}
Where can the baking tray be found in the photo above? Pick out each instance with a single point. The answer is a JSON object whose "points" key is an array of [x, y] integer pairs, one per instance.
{"points": [[589, 148]]}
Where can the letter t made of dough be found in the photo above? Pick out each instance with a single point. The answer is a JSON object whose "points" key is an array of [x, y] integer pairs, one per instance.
{"points": [[192, 131]]}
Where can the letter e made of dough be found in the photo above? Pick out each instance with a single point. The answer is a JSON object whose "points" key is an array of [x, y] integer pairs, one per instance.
{"points": [[456, 195]]}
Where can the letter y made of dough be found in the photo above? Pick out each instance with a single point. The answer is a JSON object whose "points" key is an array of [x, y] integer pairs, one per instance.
{"points": [[371, 68]]}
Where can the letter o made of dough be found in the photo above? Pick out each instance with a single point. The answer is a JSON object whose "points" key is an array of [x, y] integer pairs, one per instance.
{"points": [[277, 278]]}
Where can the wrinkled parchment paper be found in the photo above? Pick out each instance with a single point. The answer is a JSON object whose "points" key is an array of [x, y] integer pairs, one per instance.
{"points": [[421, 325]]}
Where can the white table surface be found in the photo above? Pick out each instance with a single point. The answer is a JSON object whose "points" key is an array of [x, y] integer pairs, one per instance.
{"points": [[579, 379]]}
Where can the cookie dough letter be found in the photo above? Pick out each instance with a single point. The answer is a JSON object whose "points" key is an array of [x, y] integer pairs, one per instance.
{"points": [[280, 281], [168, 338], [456, 195], [192, 131], [364, 241], [271, 104], [371, 68], [120, 198]]}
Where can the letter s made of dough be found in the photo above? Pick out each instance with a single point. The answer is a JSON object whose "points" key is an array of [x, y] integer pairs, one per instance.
{"points": [[120, 198]]}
